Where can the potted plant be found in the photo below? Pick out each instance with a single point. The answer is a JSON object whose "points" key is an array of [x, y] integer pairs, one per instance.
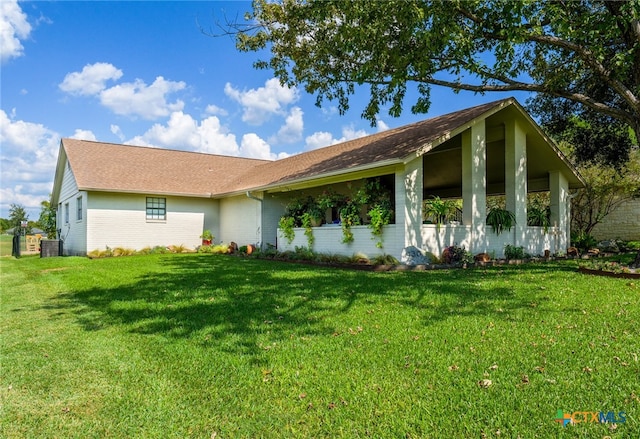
{"points": [[439, 210], [500, 219], [315, 213], [538, 215], [207, 237]]}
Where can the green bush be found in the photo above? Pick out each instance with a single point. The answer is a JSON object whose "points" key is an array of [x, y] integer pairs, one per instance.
{"points": [[456, 255], [583, 241], [513, 252]]}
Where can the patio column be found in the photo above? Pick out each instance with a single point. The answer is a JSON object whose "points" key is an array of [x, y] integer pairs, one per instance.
{"points": [[515, 173], [559, 197], [474, 185], [409, 185]]}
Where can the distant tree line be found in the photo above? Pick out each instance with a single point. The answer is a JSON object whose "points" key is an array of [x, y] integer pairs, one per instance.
{"points": [[18, 214]]}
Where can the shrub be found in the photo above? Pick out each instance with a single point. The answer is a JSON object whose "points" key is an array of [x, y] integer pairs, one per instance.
{"points": [[178, 248], [122, 251], [633, 245], [359, 258], [220, 249], [159, 250], [513, 252], [456, 255], [584, 241], [385, 260]]}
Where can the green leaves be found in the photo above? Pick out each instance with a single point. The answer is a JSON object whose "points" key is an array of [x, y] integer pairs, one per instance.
{"points": [[500, 219], [329, 47]]}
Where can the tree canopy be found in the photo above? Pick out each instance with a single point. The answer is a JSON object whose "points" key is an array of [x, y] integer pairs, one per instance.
{"points": [[583, 52], [17, 214]]}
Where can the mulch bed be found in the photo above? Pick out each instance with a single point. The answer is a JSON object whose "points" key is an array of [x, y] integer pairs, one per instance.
{"points": [[604, 273]]}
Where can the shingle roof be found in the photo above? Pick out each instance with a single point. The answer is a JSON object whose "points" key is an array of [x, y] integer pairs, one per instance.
{"points": [[391, 145], [122, 168]]}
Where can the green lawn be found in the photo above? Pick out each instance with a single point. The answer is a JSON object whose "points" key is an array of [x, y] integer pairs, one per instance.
{"points": [[213, 346]]}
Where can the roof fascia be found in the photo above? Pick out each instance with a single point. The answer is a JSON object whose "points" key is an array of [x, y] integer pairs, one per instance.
{"points": [[138, 192], [425, 148], [57, 179], [365, 171], [550, 142]]}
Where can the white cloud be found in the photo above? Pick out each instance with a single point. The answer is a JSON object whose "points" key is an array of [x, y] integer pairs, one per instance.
{"points": [[127, 98], [259, 104], [382, 126], [291, 131], [84, 135], [115, 129], [138, 99], [14, 27], [216, 111], [321, 139], [184, 132], [253, 146], [29, 156], [91, 80]]}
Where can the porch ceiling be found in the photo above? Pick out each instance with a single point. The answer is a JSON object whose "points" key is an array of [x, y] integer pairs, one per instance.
{"points": [[443, 164]]}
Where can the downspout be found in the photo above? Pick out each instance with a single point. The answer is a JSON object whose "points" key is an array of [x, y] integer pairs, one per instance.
{"points": [[253, 197], [258, 232]]}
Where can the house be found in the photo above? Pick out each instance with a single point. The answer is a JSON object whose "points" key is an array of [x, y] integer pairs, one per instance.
{"points": [[117, 195]]}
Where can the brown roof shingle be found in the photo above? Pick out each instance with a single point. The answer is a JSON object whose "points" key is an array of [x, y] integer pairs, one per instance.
{"points": [[122, 168], [395, 144]]}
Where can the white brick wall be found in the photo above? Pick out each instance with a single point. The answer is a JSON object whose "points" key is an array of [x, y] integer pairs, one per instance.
{"points": [[240, 219], [119, 220], [623, 223], [328, 240]]}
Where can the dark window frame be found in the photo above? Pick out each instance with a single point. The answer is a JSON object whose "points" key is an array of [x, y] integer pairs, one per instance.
{"points": [[156, 208]]}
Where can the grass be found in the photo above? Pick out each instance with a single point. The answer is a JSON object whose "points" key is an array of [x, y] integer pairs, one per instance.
{"points": [[192, 345]]}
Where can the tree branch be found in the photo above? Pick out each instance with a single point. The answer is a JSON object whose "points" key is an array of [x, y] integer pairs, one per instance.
{"points": [[538, 88]]}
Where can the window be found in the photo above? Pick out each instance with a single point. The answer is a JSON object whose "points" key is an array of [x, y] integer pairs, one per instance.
{"points": [[66, 213], [79, 209], [156, 208]]}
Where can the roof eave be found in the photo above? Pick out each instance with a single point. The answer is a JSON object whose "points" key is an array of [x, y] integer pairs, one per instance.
{"points": [[153, 192], [320, 179], [428, 146]]}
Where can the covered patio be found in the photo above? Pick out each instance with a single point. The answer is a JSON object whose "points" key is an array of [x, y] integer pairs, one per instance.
{"points": [[498, 152]]}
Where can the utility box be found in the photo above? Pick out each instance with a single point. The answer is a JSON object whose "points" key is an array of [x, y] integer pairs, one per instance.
{"points": [[50, 247]]}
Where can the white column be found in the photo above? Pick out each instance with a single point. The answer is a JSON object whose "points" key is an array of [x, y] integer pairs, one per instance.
{"points": [[474, 184], [409, 187], [559, 197], [515, 174]]}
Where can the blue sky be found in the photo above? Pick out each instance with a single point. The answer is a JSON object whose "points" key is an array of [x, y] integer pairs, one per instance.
{"points": [[144, 73]]}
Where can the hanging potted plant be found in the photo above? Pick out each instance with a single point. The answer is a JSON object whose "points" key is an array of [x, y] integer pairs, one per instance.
{"points": [[349, 216], [286, 224], [500, 219], [540, 216], [380, 215], [439, 211]]}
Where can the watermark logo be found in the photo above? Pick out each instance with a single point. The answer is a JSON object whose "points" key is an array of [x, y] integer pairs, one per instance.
{"points": [[578, 417]]}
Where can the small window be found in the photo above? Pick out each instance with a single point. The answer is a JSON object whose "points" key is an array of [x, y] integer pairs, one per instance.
{"points": [[79, 209], [66, 213], [156, 208]]}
